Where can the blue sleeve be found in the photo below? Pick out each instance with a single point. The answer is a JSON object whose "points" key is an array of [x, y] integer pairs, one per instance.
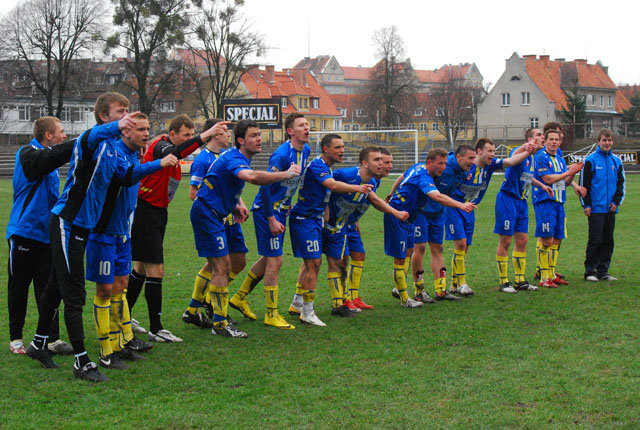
{"points": [[198, 171], [129, 175], [427, 185], [497, 164], [265, 196], [236, 165], [102, 132], [320, 172], [541, 167]]}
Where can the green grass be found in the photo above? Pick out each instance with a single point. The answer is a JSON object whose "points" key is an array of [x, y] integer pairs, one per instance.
{"points": [[557, 358]]}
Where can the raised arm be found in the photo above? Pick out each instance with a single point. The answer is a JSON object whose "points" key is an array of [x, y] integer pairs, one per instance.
{"points": [[344, 188], [39, 162], [445, 200], [383, 206], [257, 177]]}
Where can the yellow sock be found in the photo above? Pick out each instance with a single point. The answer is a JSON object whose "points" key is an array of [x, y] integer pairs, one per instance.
{"points": [[418, 286], [102, 320], [454, 273], [538, 255], [127, 332], [232, 276], [115, 315], [308, 297], [353, 280], [400, 279], [248, 285], [553, 260], [459, 265], [440, 286], [519, 260], [200, 288], [271, 299], [407, 264], [545, 272], [503, 267], [335, 285], [219, 295]]}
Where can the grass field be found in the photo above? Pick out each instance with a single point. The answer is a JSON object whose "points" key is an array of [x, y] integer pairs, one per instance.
{"points": [[554, 358]]}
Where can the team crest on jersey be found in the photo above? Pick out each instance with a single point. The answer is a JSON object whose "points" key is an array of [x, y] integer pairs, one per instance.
{"points": [[324, 174], [469, 177], [550, 164]]}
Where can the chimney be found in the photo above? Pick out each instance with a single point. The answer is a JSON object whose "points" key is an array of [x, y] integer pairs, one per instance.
{"points": [[270, 74], [580, 61], [530, 57], [545, 60], [560, 60], [299, 76]]}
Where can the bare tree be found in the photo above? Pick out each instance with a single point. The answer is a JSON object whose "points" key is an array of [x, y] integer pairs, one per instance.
{"points": [[147, 30], [43, 41], [393, 83], [454, 104], [222, 41]]}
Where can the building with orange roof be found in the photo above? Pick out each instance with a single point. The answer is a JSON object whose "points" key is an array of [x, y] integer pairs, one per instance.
{"points": [[531, 92]]}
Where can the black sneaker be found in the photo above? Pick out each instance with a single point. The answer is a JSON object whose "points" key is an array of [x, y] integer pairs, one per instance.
{"points": [[395, 293], [525, 286], [342, 311], [89, 372], [507, 288], [42, 355], [228, 330], [128, 355], [208, 308], [137, 345], [424, 297], [447, 296], [112, 361], [198, 319]]}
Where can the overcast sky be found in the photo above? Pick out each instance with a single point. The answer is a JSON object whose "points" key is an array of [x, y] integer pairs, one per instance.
{"points": [[454, 31]]}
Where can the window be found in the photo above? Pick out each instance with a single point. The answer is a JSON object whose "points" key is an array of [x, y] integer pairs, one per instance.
{"points": [[605, 123], [515, 78], [601, 100], [337, 124], [24, 113], [356, 127], [610, 101], [315, 103], [526, 98], [283, 102], [418, 112], [306, 103], [313, 123], [360, 113], [594, 99], [439, 111], [424, 126], [299, 103], [113, 79], [324, 124], [533, 122], [65, 116], [506, 99], [347, 127], [435, 126], [75, 114], [343, 112], [97, 80], [168, 107]]}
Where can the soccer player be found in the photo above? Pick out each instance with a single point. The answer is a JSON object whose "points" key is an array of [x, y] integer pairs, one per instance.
{"points": [[306, 222], [550, 169], [235, 239], [512, 217], [603, 177], [217, 197], [355, 245], [424, 191], [270, 210], [36, 187], [93, 163], [109, 252], [150, 222], [347, 208], [459, 224]]}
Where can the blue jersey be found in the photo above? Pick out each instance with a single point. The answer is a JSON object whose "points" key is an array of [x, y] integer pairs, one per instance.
{"points": [[94, 162], [517, 179], [221, 188], [450, 179], [199, 169], [475, 183], [412, 193], [313, 196], [547, 164], [277, 196], [347, 208], [362, 208]]}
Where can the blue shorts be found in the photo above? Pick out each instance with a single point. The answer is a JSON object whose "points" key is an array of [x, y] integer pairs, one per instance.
{"points": [[306, 237], [235, 239], [550, 219], [107, 256], [335, 245], [411, 236], [209, 232], [396, 236], [429, 229], [354, 240], [512, 215], [268, 245], [460, 224]]}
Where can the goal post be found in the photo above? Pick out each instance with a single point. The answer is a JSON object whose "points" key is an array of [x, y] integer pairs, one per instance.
{"points": [[404, 145]]}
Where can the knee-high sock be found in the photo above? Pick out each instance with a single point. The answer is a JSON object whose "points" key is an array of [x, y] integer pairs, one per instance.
{"points": [[418, 284], [153, 294], [134, 287], [545, 272], [335, 286], [115, 329], [519, 260], [459, 267], [407, 265], [440, 285], [271, 299], [220, 300], [308, 296], [102, 320], [538, 245], [248, 285], [400, 280], [553, 260], [298, 296], [503, 268], [200, 288], [127, 332], [353, 279]]}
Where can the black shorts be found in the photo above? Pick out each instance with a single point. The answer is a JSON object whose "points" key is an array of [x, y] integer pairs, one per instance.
{"points": [[147, 233]]}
